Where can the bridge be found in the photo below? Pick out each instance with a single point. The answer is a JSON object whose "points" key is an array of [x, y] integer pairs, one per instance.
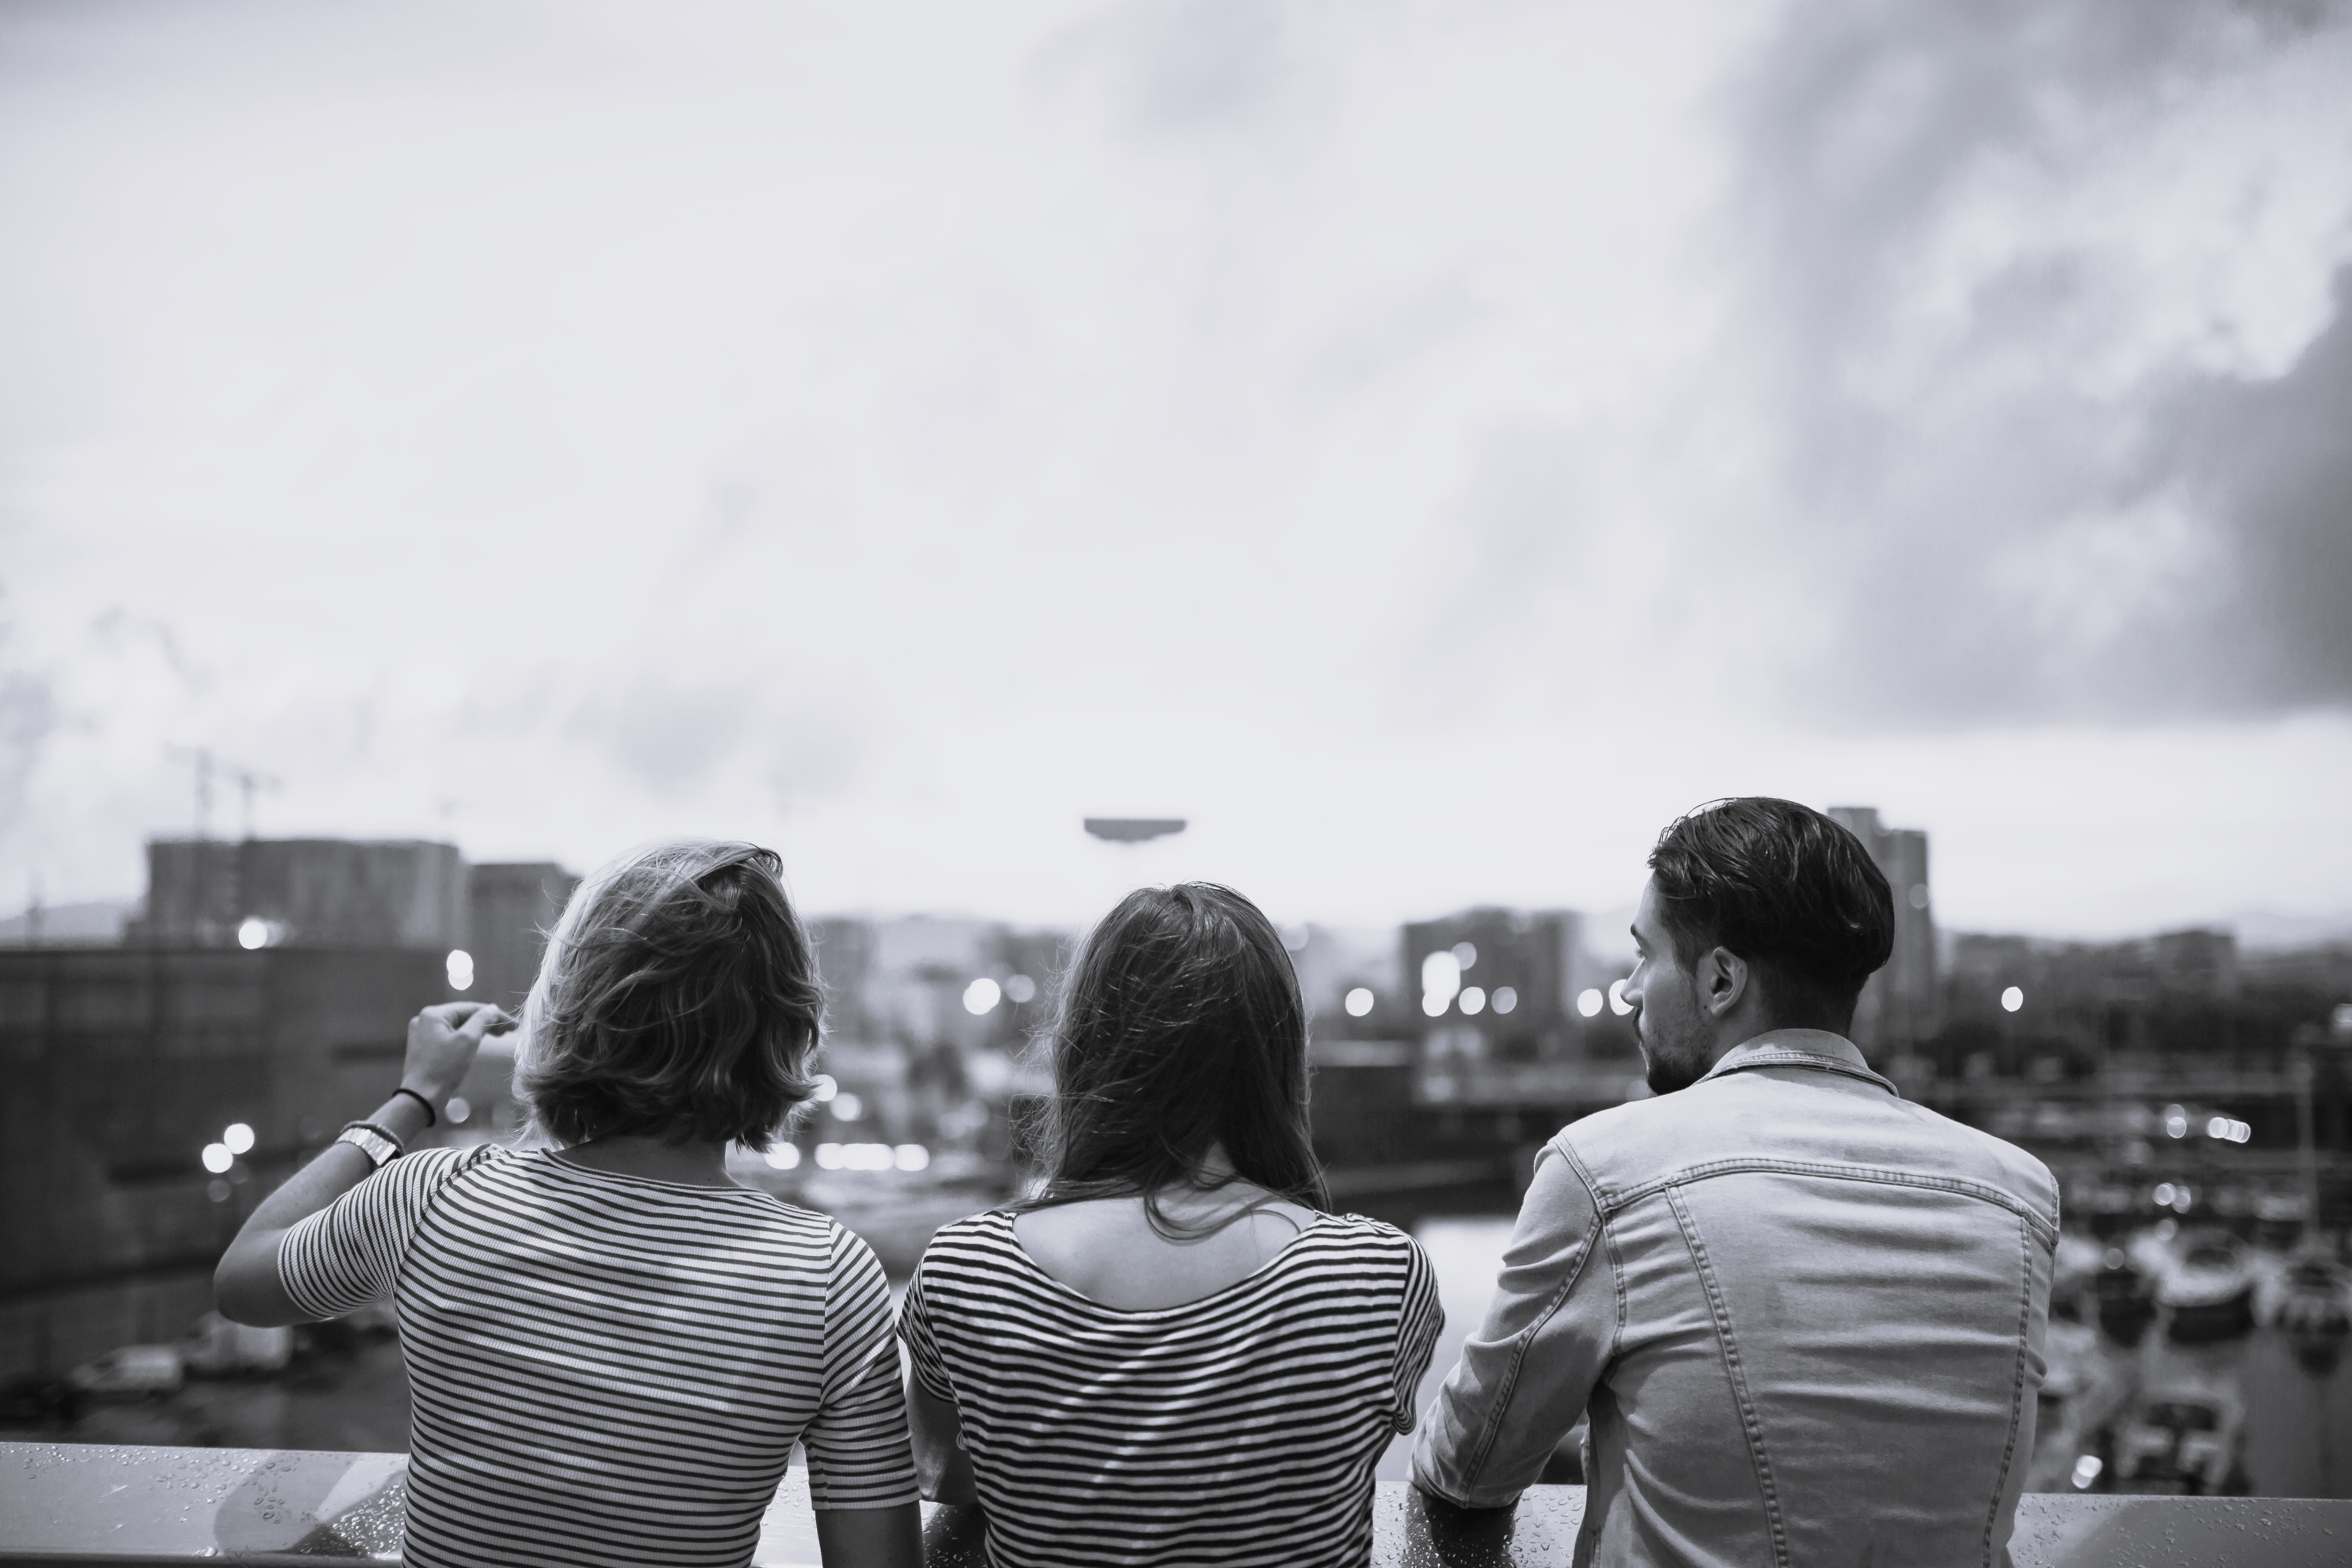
{"points": [[101, 1506]]}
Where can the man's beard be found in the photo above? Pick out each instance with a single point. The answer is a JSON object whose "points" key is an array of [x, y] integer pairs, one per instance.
{"points": [[1664, 1076], [1670, 1061]]}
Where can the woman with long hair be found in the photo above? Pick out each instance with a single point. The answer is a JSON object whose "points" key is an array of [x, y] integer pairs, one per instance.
{"points": [[612, 1347], [1171, 1353]]}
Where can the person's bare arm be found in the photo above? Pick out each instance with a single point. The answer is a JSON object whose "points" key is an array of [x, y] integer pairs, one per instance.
{"points": [[942, 1465], [441, 1045], [871, 1537]]}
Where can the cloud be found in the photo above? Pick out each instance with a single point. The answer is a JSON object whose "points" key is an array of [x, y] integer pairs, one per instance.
{"points": [[1175, 65], [2046, 302], [1427, 446], [27, 715], [2274, 458]]}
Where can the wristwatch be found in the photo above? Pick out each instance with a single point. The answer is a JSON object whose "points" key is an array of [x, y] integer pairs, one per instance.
{"points": [[376, 1142]]}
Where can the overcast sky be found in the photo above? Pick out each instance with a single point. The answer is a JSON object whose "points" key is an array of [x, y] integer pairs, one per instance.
{"points": [[1427, 446]]}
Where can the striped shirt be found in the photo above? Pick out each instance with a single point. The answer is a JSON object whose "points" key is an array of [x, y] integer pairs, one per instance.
{"points": [[1241, 1427], [605, 1369]]}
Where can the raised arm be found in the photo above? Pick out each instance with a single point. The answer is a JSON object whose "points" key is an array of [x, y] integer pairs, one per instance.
{"points": [[1525, 1373], [442, 1041]]}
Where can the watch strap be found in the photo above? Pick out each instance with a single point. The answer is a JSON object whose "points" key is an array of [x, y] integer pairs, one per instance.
{"points": [[378, 1144]]}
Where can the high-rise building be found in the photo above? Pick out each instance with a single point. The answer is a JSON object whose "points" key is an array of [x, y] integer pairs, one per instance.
{"points": [[269, 987], [1899, 1006], [306, 893], [125, 1063]]}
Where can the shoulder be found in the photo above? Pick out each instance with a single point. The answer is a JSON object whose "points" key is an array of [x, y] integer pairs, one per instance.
{"points": [[805, 1224], [1626, 1139], [989, 1228], [974, 1265], [1361, 1231], [980, 1239], [1371, 1248], [1994, 1161], [445, 1164], [962, 1250], [422, 1171], [481, 1159]]}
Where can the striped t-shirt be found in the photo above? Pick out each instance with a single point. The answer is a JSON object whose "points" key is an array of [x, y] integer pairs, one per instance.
{"points": [[1241, 1427], [604, 1369]]}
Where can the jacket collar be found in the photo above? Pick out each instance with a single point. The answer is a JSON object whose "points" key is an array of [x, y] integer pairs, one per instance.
{"points": [[1815, 1049]]}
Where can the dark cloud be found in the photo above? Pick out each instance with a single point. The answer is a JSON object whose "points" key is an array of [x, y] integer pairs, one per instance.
{"points": [[2274, 458], [2050, 547]]}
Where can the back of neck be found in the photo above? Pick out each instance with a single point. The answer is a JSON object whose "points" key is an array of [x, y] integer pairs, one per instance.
{"points": [[691, 1164]]}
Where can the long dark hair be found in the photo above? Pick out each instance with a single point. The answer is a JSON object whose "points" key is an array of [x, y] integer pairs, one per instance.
{"points": [[1181, 1028]]}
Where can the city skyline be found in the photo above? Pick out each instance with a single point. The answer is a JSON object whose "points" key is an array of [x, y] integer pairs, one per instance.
{"points": [[1428, 450]]}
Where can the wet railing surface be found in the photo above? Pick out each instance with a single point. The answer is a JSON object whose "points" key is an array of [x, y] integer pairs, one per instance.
{"points": [[92, 1504]]}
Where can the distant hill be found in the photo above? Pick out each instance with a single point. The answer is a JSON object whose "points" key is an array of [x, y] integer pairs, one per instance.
{"points": [[71, 924], [2269, 933]]}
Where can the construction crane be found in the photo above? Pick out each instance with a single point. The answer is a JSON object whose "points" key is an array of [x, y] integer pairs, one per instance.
{"points": [[249, 781]]}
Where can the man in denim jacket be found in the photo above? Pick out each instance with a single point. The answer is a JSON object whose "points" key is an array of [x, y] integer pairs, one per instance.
{"points": [[1805, 1316]]}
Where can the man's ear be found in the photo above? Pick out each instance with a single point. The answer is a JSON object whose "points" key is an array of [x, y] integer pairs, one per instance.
{"points": [[1723, 980]]}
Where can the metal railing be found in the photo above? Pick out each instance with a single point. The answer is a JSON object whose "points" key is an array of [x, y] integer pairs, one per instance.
{"points": [[102, 1506]]}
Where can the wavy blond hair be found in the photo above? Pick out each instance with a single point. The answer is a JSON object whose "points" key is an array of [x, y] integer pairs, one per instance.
{"points": [[679, 998]]}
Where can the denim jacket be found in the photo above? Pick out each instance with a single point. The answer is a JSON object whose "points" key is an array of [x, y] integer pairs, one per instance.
{"points": [[1805, 1316]]}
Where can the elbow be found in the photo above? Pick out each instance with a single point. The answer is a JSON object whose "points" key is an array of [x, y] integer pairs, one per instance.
{"points": [[230, 1298], [945, 1478], [243, 1299]]}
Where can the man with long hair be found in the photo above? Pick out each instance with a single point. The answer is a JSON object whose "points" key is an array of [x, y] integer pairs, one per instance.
{"points": [[1804, 1315]]}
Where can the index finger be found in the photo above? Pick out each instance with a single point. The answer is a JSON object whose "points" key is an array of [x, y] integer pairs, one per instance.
{"points": [[485, 1019]]}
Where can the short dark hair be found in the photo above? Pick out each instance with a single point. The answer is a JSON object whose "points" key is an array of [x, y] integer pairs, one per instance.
{"points": [[1786, 888], [678, 999], [1181, 1026]]}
